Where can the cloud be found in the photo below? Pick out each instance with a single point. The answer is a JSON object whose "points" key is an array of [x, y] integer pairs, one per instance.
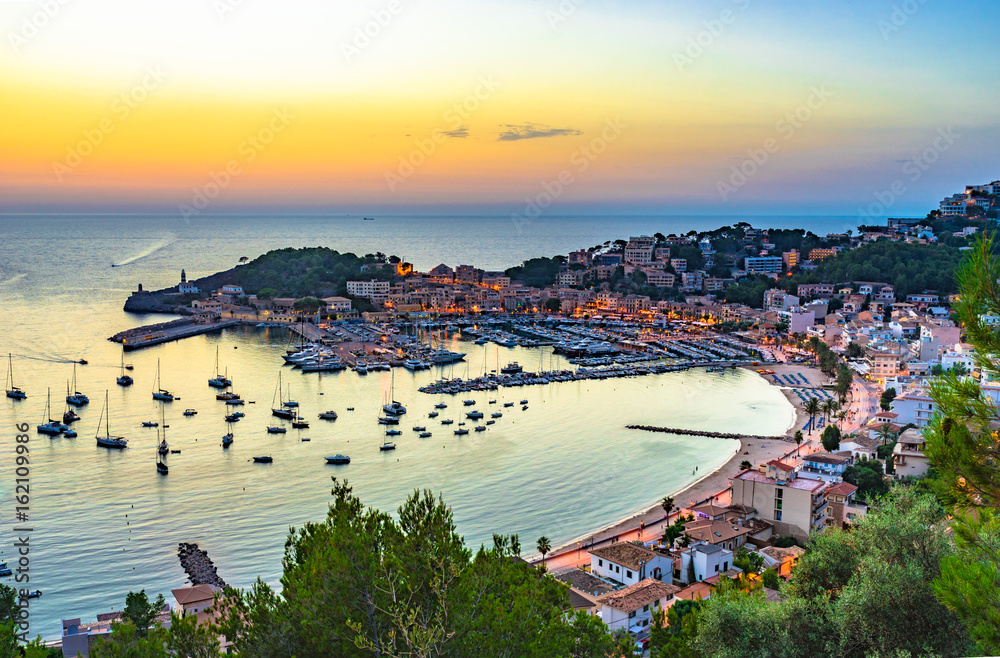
{"points": [[461, 132], [533, 131]]}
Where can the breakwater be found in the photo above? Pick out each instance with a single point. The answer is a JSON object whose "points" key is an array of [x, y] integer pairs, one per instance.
{"points": [[198, 566], [714, 435]]}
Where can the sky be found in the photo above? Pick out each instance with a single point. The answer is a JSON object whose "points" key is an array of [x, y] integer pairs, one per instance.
{"points": [[824, 107]]}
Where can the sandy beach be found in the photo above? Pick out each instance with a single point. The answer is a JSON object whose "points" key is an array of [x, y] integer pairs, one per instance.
{"points": [[650, 522]]}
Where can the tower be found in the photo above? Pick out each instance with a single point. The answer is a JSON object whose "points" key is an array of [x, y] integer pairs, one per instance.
{"points": [[183, 276]]}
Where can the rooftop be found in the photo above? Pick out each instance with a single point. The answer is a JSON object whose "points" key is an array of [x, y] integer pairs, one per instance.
{"points": [[583, 581], [826, 458], [635, 596], [782, 465], [806, 484], [714, 531], [842, 489], [625, 554]]}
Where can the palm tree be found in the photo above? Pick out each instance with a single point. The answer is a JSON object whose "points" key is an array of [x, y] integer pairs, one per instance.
{"points": [[827, 408], [812, 408], [798, 440], [745, 465], [668, 505], [543, 546], [885, 433]]}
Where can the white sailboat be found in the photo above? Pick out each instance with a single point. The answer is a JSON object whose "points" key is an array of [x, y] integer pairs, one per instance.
{"points": [[49, 426], [13, 392], [107, 440], [123, 379], [220, 380], [77, 399], [160, 393]]}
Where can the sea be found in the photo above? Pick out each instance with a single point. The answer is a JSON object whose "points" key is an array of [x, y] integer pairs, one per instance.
{"points": [[103, 523]]}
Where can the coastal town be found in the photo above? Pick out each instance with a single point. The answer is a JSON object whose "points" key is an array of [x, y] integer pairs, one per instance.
{"points": [[853, 356]]}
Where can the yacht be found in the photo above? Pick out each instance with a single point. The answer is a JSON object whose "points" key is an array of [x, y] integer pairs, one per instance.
{"points": [[278, 407], [440, 405], [232, 418], [161, 468], [227, 438], [394, 408], [387, 445], [468, 403], [413, 364], [480, 428], [328, 415], [69, 434], [190, 412], [496, 414], [419, 428], [300, 423], [461, 431], [447, 421], [49, 426], [276, 430], [338, 459], [511, 368], [263, 459], [324, 365], [474, 415], [361, 367], [432, 414], [70, 416], [77, 399], [393, 433], [388, 420], [424, 435], [107, 440], [13, 392], [160, 393]]}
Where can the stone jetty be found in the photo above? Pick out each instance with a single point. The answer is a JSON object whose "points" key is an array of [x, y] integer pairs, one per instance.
{"points": [[715, 435], [198, 566]]}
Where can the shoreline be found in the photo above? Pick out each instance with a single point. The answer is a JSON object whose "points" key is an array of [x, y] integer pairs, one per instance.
{"points": [[650, 519]]}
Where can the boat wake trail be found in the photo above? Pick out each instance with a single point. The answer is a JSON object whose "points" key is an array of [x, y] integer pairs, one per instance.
{"points": [[47, 359], [13, 279], [162, 243]]}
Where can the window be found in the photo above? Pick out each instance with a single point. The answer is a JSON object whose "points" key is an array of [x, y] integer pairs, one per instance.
{"points": [[645, 608], [631, 614], [617, 569], [777, 515], [600, 563], [778, 493], [716, 568], [725, 566], [628, 574]]}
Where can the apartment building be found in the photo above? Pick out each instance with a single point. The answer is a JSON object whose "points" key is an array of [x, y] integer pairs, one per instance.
{"points": [[367, 289], [794, 505], [763, 264]]}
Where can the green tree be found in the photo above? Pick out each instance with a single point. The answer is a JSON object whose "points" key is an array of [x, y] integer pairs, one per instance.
{"points": [[668, 505], [189, 639], [854, 350], [673, 632], [553, 304], [831, 438], [140, 611], [770, 579], [125, 641], [888, 395], [798, 440], [9, 608], [964, 449], [745, 465], [308, 304], [867, 476]]}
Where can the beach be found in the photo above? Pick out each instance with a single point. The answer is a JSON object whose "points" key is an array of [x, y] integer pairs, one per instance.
{"points": [[650, 522]]}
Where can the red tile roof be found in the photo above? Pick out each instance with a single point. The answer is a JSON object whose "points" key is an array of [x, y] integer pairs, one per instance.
{"points": [[635, 596]]}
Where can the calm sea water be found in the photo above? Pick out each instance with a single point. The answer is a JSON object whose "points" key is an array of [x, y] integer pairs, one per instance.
{"points": [[106, 523]]}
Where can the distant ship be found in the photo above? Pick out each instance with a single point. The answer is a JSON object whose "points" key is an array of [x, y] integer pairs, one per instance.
{"points": [[368, 219]]}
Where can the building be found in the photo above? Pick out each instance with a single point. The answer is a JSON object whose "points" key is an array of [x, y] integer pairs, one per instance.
{"points": [[883, 364], [843, 508], [337, 304], [791, 258], [679, 264], [908, 456], [825, 466], [632, 608], [723, 533], [692, 281], [763, 264], [798, 319], [794, 505], [714, 284], [613, 259], [442, 272], [702, 561], [571, 278], [628, 563], [777, 299], [781, 560], [660, 279], [954, 205], [913, 408], [814, 289], [816, 255], [582, 257], [367, 289], [639, 251], [195, 600], [468, 274]]}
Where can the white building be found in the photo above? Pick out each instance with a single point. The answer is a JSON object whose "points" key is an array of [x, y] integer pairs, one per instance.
{"points": [[913, 407], [628, 563], [763, 264], [703, 561], [368, 289], [639, 250], [232, 290], [798, 320], [188, 289], [632, 608], [908, 455]]}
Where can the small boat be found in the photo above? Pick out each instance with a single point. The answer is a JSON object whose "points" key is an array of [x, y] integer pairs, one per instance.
{"points": [[300, 424], [290, 404], [263, 459], [424, 435], [227, 440], [70, 416], [159, 393], [232, 418], [508, 404], [235, 402], [440, 405], [393, 433], [49, 426], [276, 430], [480, 341], [447, 421], [338, 459], [461, 432], [175, 452], [13, 392], [388, 420], [33, 595], [524, 402], [228, 395], [306, 439], [150, 423], [474, 415], [419, 428], [70, 434], [5, 570], [480, 428], [163, 449], [496, 414], [468, 403], [491, 422], [368, 219], [387, 446], [350, 408], [190, 412], [511, 368], [524, 408], [432, 414], [161, 468], [493, 401], [328, 415]]}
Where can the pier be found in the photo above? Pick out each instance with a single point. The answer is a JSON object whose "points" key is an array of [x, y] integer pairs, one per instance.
{"points": [[198, 566], [714, 435], [155, 334]]}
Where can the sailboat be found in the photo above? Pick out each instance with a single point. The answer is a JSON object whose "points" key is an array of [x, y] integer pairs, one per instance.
{"points": [[387, 445], [13, 392], [279, 409], [108, 441], [161, 449], [77, 399], [220, 380], [49, 426], [123, 379], [393, 408], [227, 439], [158, 392]]}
